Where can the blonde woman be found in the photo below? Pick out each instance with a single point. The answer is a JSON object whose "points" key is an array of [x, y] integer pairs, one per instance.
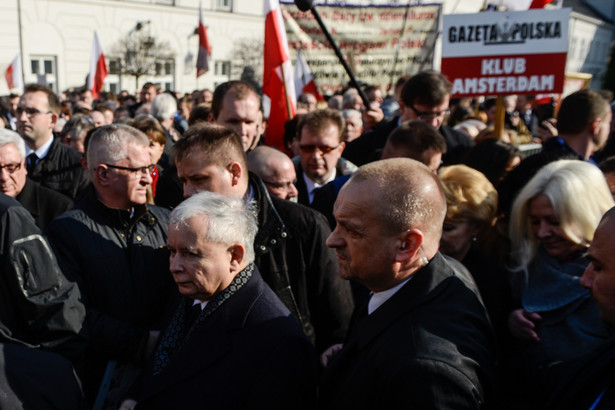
{"points": [[552, 223]]}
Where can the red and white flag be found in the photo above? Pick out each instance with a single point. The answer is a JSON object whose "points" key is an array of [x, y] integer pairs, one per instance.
{"points": [[98, 68], [14, 74], [304, 80], [278, 86], [202, 60], [519, 5]]}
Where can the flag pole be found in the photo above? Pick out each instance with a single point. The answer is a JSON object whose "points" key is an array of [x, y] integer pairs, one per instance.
{"points": [[23, 80], [288, 106]]}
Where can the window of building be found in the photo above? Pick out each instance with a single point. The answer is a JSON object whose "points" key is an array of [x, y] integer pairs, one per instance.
{"points": [[113, 80], [222, 68], [225, 5], [165, 74], [44, 71]]}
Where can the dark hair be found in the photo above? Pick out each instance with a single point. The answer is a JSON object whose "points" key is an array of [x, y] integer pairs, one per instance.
{"points": [[417, 137], [492, 156], [608, 165], [200, 113], [579, 109], [318, 120], [238, 89], [221, 145], [152, 128], [52, 99], [428, 88]]}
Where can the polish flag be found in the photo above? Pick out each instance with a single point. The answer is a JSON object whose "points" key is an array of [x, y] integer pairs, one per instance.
{"points": [[304, 80], [14, 74], [520, 5], [98, 68], [202, 61], [278, 86]]}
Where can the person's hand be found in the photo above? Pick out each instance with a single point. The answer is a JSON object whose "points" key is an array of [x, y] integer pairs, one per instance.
{"points": [[522, 325], [547, 129], [128, 404], [372, 117], [151, 342], [328, 354]]}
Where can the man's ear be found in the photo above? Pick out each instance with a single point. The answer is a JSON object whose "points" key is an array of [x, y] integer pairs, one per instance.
{"points": [[409, 244], [102, 175], [237, 255], [210, 117], [236, 171], [594, 126], [54, 119]]}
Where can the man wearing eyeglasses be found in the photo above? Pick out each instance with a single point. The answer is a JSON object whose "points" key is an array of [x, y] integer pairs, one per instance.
{"points": [[425, 96], [44, 204], [321, 143], [49, 162], [276, 170], [113, 245]]}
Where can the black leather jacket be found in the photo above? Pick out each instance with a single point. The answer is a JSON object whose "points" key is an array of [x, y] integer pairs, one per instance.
{"points": [[293, 259]]}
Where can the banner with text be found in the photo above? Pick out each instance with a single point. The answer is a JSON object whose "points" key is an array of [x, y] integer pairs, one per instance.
{"points": [[502, 53], [380, 43]]}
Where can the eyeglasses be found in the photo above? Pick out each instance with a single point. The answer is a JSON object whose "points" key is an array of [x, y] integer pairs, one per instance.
{"points": [[324, 149], [136, 171], [281, 185], [10, 168], [30, 111], [427, 116]]}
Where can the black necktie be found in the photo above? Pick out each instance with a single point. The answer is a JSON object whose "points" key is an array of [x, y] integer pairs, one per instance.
{"points": [[32, 159]]}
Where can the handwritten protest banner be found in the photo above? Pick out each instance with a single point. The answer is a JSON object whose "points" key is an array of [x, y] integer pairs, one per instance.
{"points": [[380, 43]]}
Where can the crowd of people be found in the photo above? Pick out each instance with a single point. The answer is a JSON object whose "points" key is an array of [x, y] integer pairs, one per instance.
{"points": [[398, 252]]}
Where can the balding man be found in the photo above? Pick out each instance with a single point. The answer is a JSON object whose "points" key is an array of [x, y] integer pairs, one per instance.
{"points": [[424, 339], [588, 383], [276, 171]]}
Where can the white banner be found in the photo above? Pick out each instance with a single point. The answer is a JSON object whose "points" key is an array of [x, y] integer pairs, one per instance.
{"points": [[380, 43]]}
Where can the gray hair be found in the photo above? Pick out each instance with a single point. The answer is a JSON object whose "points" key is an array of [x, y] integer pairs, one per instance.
{"points": [[349, 96], [11, 137], [163, 107], [229, 220], [109, 144], [347, 112]]}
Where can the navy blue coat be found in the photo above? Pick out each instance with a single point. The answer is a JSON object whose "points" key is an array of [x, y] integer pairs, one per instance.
{"points": [[250, 353]]}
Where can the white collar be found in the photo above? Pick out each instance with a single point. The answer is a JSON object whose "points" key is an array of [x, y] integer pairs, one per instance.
{"points": [[378, 298], [200, 302], [311, 186], [42, 151]]}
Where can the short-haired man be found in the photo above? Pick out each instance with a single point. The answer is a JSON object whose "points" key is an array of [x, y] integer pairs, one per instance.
{"points": [[290, 245], [588, 383], [231, 343], [276, 171], [49, 162], [321, 143], [114, 247], [424, 339], [425, 96], [583, 123], [44, 204], [416, 140], [237, 105]]}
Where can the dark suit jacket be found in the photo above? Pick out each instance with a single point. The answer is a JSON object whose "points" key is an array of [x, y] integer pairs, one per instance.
{"points": [[361, 151], [249, 354], [61, 171], [577, 385], [44, 204], [430, 346]]}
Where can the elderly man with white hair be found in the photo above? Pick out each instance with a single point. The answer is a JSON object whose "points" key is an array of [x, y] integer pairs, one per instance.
{"points": [[231, 343], [44, 204]]}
